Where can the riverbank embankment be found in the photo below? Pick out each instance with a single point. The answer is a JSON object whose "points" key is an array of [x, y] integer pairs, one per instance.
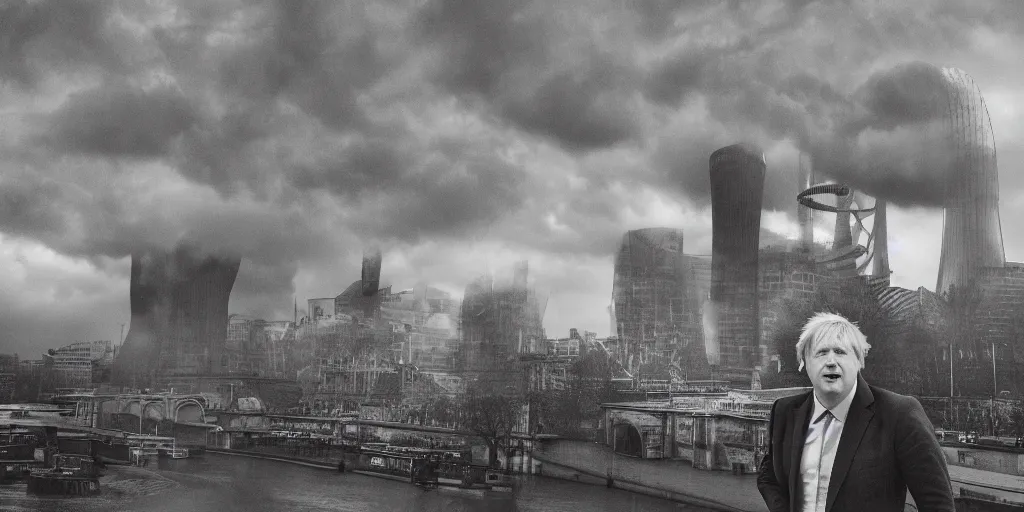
{"points": [[671, 480], [315, 462], [594, 463]]}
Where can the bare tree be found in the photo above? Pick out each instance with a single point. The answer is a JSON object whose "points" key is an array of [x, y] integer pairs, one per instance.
{"points": [[587, 385], [493, 418]]}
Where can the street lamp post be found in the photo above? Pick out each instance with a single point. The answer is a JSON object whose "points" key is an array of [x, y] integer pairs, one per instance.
{"points": [[951, 385], [995, 391]]}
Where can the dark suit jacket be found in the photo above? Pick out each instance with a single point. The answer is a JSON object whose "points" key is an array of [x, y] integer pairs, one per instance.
{"points": [[888, 446]]}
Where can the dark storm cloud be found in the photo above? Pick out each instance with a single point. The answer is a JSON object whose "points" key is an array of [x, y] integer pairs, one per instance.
{"points": [[367, 164], [308, 58], [36, 35], [26, 206], [409, 192], [897, 144], [883, 136], [217, 151], [72, 219], [318, 56], [907, 94], [581, 110], [120, 120], [504, 54], [456, 202]]}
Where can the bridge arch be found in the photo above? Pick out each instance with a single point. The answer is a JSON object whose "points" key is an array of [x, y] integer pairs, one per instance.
{"points": [[152, 409], [626, 439], [189, 410]]}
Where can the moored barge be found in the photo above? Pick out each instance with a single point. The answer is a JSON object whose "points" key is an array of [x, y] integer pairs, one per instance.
{"points": [[433, 471], [71, 475]]}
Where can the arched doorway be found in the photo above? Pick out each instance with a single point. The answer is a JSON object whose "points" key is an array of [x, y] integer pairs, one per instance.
{"points": [[627, 440]]}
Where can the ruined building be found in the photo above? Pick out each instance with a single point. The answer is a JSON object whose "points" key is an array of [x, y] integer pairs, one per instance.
{"points": [[657, 294], [499, 322]]}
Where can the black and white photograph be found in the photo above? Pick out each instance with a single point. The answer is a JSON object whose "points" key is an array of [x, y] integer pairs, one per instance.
{"points": [[511, 255]]}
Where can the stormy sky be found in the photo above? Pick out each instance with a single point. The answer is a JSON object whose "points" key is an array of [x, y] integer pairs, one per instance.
{"points": [[459, 136]]}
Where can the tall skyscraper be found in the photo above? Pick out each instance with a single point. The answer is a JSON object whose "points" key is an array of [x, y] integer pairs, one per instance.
{"points": [[737, 185], [972, 237]]}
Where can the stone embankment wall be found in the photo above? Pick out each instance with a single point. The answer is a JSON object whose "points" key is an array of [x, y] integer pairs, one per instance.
{"points": [[594, 463], [1007, 463]]}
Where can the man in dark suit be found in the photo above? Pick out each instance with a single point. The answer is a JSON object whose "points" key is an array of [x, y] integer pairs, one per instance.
{"points": [[847, 445]]}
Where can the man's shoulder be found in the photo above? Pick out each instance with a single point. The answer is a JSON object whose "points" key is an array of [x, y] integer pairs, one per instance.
{"points": [[892, 400], [791, 401]]}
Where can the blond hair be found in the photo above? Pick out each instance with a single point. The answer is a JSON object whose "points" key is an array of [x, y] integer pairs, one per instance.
{"points": [[831, 325]]}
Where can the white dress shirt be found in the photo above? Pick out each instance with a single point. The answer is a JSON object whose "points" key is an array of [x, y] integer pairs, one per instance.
{"points": [[820, 452]]}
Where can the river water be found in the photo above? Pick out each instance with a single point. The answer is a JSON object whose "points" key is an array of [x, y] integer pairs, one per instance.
{"points": [[224, 483]]}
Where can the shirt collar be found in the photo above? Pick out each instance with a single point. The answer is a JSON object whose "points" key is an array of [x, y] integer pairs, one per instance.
{"points": [[839, 411]]}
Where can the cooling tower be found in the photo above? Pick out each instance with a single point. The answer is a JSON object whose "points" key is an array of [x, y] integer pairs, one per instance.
{"points": [[737, 184], [971, 237], [179, 307]]}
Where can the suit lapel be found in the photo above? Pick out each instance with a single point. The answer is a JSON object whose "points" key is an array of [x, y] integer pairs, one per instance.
{"points": [[856, 423], [799, 418]]}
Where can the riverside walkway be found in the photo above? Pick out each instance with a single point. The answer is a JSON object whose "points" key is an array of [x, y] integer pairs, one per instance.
{"points": [[671, 479]]}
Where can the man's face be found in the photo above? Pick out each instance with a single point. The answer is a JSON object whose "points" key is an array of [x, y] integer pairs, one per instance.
{"points": [[832, 366]]}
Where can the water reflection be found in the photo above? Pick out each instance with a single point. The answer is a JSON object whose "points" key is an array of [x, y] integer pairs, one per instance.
{"points": [[220, 483]]}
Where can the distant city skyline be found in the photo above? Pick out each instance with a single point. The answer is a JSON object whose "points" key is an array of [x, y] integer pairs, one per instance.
{"points": [[459, 142]]}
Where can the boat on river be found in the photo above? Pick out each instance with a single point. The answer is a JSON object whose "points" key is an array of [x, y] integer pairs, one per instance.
{"points": [[71, 475], [159, 446], [432, 470]]}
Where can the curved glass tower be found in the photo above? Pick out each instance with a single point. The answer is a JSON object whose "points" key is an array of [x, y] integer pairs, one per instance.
{"points": [[971, 234], [737, 184]]}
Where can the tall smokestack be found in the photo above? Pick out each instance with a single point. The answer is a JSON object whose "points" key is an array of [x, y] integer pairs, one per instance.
{"points": [[371, 271], [805, 216], [880, 264], [972, 236], [737, 186]]}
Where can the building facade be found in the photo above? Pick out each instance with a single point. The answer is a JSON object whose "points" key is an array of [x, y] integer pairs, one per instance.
{"points": [[499, 322], [82, 364]]}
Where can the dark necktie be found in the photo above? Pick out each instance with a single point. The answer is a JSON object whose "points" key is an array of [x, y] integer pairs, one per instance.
{"points": [[826, 441]]}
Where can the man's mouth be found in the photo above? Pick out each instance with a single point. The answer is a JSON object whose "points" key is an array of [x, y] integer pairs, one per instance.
{"points": [[831, 377]]}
